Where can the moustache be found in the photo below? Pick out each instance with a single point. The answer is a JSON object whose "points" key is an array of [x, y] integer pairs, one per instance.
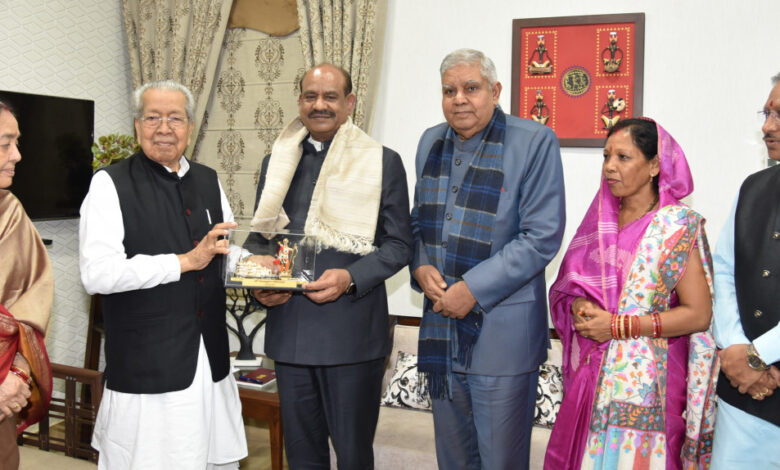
{"points": [[314, 114]]}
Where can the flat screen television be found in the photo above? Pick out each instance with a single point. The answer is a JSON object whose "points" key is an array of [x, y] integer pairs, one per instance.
{"points": [[56, 168]]}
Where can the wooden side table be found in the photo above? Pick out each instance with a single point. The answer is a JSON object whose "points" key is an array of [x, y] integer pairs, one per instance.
{"points": [[264, 406]]}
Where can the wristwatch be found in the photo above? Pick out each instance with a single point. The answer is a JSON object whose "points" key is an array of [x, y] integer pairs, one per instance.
{"points": [[350, 289], [754, 360]]}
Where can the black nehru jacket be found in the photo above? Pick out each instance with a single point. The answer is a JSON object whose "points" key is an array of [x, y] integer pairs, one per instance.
{"points": [[757, 276], [152, 335]]}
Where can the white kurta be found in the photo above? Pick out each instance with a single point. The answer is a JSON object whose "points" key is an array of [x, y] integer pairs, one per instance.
{"points": [[186, 429]]}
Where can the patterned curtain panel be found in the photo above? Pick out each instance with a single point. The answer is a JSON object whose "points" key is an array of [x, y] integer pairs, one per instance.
{"points": [[179, 40], [342, 32], [254, 95]]}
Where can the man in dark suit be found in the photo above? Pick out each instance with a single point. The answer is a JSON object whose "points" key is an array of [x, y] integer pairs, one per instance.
{"points": [[327, 178], [488, 216]]}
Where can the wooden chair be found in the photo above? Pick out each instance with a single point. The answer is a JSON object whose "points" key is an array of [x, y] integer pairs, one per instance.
{"points": [[95, 332], [77, 413]]}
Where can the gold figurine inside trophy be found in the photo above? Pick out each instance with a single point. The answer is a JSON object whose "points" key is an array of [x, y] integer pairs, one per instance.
{"points": [[270, 261]]}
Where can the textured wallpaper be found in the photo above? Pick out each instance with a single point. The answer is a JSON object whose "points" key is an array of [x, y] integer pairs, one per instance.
{"points": [[75, 49]]}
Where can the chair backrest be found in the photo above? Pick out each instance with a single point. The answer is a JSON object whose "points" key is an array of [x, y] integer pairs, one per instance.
{"points": [[77, 412]]}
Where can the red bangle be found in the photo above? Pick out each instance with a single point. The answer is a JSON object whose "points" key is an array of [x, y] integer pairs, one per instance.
{"points": [[613, 326], [656, 325], [21, 374], [660, 326]]}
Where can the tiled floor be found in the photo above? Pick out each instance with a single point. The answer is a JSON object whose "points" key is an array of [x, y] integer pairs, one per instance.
{"points": [[258, 443]]}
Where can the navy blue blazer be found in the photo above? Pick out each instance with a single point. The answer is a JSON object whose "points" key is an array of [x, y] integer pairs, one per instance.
{"points": [[355, 327], [510, 285]]}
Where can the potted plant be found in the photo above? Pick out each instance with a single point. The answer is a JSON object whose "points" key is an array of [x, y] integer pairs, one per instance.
{"points": [[112, 148]]}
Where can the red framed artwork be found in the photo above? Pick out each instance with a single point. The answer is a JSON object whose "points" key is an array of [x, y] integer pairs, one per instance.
{"points": [[578, 75]]}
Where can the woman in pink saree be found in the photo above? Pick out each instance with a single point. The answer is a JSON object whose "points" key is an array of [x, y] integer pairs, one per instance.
{"points": [[632, 305]]}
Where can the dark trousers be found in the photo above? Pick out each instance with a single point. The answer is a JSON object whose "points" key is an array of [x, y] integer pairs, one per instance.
{"points": [[337, 401]]}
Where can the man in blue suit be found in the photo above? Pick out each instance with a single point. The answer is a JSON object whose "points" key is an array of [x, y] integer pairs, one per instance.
{"points": [[488, 217]]}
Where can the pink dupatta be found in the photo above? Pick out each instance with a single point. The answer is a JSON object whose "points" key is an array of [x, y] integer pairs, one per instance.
{"points": [[591, 268]]}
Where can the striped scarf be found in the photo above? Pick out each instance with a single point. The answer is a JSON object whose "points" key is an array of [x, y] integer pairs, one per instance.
{"points": [[468, 243]]}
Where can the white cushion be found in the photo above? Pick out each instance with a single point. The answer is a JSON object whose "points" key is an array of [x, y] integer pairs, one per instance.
{"points": [[404, 339], [407, 389]]}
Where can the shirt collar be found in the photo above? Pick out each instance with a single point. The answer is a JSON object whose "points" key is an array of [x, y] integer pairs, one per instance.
{"points": [[184, 167], [318, 146]]}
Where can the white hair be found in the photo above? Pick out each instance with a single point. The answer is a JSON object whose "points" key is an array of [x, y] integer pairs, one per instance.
{"points": [[776, 79], [470, 57], [138, 105]]}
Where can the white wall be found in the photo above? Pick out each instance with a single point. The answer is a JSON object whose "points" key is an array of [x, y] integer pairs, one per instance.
{"points": [[707, 71], [75, 49]]}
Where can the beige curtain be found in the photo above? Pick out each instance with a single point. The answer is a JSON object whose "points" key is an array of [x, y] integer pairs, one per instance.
{"points": [[178, 40], [342, 32], [254, 94]]}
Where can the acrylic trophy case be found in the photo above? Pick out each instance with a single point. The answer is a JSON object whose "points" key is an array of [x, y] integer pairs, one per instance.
{"points": [[279, 261]]}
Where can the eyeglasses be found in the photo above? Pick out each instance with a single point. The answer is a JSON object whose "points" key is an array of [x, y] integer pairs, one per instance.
{"points": [[767, 113], [153, 122]]}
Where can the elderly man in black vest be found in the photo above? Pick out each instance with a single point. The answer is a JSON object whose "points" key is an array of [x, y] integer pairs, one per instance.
{"points": [[747, 315], [150, 244], [327, 178]]}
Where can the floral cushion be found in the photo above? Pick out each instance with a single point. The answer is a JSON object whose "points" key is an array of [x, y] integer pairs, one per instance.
{"points": [[549, 394], [406, 388]]}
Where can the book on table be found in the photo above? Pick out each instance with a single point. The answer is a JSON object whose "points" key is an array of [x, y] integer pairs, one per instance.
{"points": [[259, 376]]}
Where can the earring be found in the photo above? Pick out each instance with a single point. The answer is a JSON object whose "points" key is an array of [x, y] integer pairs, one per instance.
{"points": [[651, 177]]}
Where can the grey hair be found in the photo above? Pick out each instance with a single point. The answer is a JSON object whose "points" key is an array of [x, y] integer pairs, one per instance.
{"points": [[470, 57], [138, 105], [776, 79]]}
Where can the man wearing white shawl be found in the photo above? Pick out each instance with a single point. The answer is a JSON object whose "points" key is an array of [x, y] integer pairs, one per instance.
{"points": [[327, 178]]}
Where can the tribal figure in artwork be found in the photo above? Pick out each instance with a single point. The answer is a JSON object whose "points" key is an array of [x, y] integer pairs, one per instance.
{"points": [[610, 113], [612, 55], [540, 112], [540, 62]]}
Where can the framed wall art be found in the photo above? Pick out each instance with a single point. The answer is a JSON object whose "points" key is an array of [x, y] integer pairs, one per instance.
{"points": [[578, 75]]}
